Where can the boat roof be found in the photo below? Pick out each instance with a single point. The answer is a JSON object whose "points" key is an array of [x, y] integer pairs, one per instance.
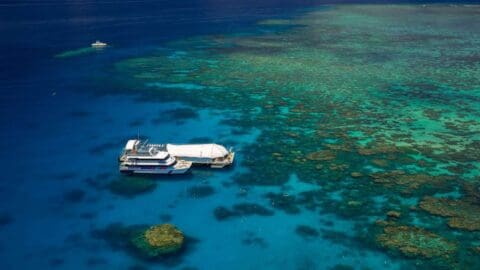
{"points": [[210, 150], [131, 144], [159, 155]]}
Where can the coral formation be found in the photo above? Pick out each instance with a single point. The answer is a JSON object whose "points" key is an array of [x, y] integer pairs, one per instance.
{"points": [[407, 183], [159, 240], [412, 241], [321, 155], [160, 243], [393, 214], [461, 214]]}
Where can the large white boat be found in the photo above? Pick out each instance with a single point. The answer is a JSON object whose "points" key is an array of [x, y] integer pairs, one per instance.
{"points": [[143, 158], [214, 155]]}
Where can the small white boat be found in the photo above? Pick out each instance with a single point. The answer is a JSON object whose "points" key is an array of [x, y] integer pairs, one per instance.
{"points": [[144, 158], [99, 44], [217, 156]]}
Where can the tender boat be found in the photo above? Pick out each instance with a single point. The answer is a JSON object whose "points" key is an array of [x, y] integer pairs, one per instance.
{"points": [[214, 155], [143, 158], [99, 44]]}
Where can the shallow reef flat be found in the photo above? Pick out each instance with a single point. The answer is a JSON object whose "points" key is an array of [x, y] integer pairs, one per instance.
{"points": [[362, 101]]}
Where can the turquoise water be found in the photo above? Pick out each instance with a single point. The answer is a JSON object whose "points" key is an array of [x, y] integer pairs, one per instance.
{"points": [[356, 129]]}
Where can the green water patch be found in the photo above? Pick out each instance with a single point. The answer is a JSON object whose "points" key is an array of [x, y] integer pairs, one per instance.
{"points": [[360, 102]]}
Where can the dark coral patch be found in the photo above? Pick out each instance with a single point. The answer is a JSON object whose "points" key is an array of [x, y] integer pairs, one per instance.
{"points": [[251, 239], [180, 115], [306, 232], [100, 149], [136, 123], [117, 235], [74, 195], [79, 114], [65, 176], [284, 202], [242, 209], [222, 213], [96, 261], [137, 267], [165, 218], [200, 191], [130, 186], [88, 215], [56, 262], [246, 209], [5, 219], [342, 267]]}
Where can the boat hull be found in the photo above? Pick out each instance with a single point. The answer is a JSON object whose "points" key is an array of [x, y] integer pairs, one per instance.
{"points": [[153, 171], [181, 167]]}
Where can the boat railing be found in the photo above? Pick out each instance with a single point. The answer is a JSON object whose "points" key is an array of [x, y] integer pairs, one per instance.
{"points": [[145, 149]]}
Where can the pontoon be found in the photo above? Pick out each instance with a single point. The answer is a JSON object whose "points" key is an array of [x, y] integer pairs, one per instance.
{"points": [[217, 156]]}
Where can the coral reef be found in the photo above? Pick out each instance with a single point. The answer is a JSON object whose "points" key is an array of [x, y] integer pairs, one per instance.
{"points": [[159, 240], [412, 241], [408, 183], [325, 99], [321, 155], [159, 243], [461, 214], [393, 214]]}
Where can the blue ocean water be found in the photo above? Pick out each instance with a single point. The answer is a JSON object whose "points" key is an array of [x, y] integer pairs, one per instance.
{"points": [[61, 139]]}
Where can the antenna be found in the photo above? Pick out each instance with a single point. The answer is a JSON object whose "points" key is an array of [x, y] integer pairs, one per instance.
{"points": [[138, 134]]}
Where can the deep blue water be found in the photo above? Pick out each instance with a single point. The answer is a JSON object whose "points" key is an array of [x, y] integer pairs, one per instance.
{"points": [[58, 137]]}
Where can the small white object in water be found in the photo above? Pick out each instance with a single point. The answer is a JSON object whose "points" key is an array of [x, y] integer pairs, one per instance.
{"points": [[99, 44]]}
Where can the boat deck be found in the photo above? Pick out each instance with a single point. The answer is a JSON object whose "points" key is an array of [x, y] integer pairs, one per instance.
{"points": [[144, 150]]}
